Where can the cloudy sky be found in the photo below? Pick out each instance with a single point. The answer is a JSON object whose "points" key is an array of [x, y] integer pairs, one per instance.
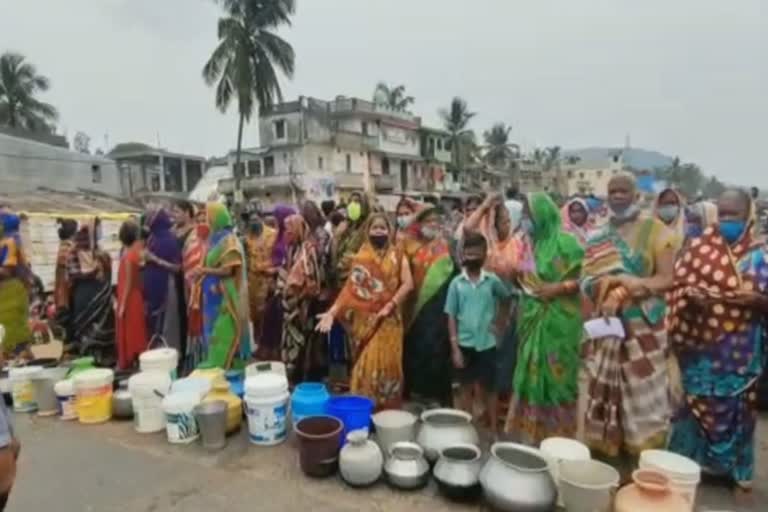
{"points": [[686, 77]]}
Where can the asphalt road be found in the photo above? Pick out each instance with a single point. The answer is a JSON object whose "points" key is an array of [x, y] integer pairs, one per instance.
{"points": [[67, 467]]}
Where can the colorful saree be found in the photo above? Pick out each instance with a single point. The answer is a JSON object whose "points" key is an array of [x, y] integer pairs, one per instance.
{"points": [[160, 293], [259, 248], [192, 256], [426, 352], [580, 232], [549, 332], [225, 328], [627, 407], [721, 352], [377, 346], [14, 296]]}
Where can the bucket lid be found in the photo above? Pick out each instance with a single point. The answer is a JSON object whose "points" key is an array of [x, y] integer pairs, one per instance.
{"points": [[158, 355], [264, 384], [675, 466], [24, 371], [94, 376], [181, 400], [199, 385]]}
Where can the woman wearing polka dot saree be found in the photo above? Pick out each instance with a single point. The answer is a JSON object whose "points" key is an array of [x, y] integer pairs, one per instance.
{"points": [[716, 323]]}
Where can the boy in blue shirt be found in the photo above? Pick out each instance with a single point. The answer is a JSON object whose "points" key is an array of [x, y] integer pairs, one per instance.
{"points": [[471, 305]]}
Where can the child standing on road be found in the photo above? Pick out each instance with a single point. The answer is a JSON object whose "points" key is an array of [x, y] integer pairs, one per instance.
{"points": [[471, 305]]}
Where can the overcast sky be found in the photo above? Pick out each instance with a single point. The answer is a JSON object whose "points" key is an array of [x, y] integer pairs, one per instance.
{"points": [[685, 77]]}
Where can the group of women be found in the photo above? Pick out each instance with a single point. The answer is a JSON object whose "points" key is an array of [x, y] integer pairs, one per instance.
{"points": [[354, 285]]}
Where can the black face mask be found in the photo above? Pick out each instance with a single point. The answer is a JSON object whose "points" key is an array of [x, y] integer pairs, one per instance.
{"points": [[379, 241], [473, 265]]}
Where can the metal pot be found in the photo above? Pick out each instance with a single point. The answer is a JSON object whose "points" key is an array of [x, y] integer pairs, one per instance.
{"points": [[442, 428], [406, 467], [122, 404], [517, 479], [394, 426], [457, 472], [212, 421]]}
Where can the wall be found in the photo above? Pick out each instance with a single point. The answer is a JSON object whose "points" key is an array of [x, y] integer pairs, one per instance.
{"points": [[27, 165], [400, 141], [293, 126]]}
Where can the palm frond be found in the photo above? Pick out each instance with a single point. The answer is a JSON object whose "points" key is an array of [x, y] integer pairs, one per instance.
{"points": [[278, 51]]}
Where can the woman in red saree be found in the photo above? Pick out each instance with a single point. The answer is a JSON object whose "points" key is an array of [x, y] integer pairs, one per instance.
{"points": [[131, 334]]}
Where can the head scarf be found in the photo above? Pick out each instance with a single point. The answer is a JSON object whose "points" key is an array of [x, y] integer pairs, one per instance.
{"points": [[555, 253], [580, 232], [709, 265], [677, 225], [280, 251], [706, 212], [85, 239], [162, 241], [296, 229]]}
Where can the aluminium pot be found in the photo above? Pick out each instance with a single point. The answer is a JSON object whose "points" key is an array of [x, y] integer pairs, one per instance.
{"points": [[442, 428], [406, 468], [517, 479], [457, 472], [394, 426]]}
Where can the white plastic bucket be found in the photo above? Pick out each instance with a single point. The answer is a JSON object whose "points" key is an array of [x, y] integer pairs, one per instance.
{"points": [[559, 449], [180, 423], [200, 385], [275, 367], [65, 393], [683, 473], [147, 391], [94, 395], [22, 391], [587, 485], [266, 406], [160, 359]]}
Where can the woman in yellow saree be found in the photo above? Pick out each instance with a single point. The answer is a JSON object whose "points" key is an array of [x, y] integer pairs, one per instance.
{"points": [[369, 309]]}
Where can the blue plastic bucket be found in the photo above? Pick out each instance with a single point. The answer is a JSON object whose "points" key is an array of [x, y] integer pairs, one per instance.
{"points": [[309, 399], [354, 411]]}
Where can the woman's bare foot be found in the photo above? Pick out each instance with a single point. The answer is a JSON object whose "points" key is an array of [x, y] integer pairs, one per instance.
{"points": [[743, 496]]}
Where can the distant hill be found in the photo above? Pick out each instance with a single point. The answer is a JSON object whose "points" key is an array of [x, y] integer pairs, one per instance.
{"points": [[634, 157]]}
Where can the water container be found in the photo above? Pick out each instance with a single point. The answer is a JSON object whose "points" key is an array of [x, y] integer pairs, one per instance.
{"points": [[558, 449], [266, 366], [309, 399], [80, 365], [45, 395], [200, 385], [147, 392], [21, 388], [683, 473], [266, 403], [236, 380], [354, 411], [65, 393], [94, 395], [162, 359], [180, 422]]}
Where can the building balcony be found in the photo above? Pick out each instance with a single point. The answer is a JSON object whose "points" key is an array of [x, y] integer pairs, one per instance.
{"points": [[260, 183], [355, 141], [346, 106]]}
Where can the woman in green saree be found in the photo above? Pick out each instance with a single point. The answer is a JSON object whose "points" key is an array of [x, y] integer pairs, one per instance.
{"points": [[225, 311], [549, 329]]}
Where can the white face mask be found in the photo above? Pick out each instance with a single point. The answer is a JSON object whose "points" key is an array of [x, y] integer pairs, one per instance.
{"points": [[627, 213], [669, 212]]}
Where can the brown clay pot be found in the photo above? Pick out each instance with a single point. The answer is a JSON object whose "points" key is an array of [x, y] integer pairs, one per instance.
{"points": [[319, 445]]}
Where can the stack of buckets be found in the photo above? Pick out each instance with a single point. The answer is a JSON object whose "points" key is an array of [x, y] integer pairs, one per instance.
{"points": [[149, 387]]}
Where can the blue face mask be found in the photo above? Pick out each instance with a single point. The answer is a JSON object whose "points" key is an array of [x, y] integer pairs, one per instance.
{"points": [[731, 230], [669, 213]]}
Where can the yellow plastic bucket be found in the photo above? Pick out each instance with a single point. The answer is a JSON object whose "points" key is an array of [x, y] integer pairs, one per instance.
{"points": [[93, 395]]}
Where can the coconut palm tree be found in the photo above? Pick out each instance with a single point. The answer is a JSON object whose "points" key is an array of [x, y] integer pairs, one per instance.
{"points": [[19, 84], [395, 96], [498, 150], [456, 120], [245, 63]]}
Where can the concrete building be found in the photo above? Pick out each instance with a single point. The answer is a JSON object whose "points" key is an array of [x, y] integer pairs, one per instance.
{"points": [[145, 170], [326, 149], [589, 177], [532, 177], [29, 161]]}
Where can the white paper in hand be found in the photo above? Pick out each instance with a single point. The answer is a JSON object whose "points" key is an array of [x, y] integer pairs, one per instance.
{"points": [[601, 328]]}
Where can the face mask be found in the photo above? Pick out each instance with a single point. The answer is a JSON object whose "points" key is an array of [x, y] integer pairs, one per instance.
{"points": [[203, 230], [429, 233], [473, 265], [732, 230], [354, 211], [669, 213], [379, 241], [403, 221], [626, 213]]}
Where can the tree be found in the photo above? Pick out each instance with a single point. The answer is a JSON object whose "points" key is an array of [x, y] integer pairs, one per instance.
{"points": [[19, 84], [499, 151], [687, 178], [456, 120], [395, 96], [552, 157], [713, 188], [82, 143], [244, 65]]}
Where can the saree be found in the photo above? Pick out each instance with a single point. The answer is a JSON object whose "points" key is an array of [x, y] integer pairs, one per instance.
{"points": [[14, 296], [627, 403], [300, 286], [160, 284], [721, 352], [131, 335], [225, 328], [192, 256], [376, 346], [678, 224], [580, 232], [259, 249], [350, 242], [549, 333], [272, 327], [426, 350]]}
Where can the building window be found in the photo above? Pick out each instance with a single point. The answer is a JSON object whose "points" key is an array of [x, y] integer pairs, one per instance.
{"points": [[581, 175], [439, 144], [95, 173], [365, 128], [285, 157], [385, 166], [269, 166], [254, 167], [349, 162], [280, 129], [320, 163]]}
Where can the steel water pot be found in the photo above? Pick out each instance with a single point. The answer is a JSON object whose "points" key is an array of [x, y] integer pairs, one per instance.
{"points": [[442, 428], [457, 472]]}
